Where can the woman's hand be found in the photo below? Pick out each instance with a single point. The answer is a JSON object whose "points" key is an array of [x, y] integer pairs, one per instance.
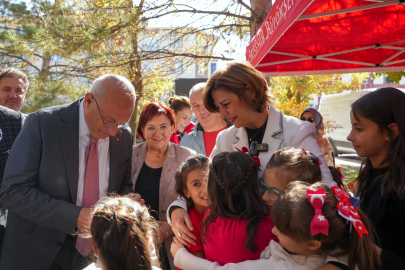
{"points": [[164, 231], [176, 245], [182, 227]]}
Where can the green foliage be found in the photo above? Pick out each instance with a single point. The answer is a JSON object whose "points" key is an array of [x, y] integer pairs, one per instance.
{"points": [[395, 77], [292, 94]]}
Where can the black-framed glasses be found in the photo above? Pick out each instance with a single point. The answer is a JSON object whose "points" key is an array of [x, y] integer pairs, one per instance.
{"points": [[110, 126], [309, 119], [274, 194]]}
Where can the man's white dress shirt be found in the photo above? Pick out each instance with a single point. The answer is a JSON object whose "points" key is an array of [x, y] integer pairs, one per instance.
{"points": [[103, 158]]}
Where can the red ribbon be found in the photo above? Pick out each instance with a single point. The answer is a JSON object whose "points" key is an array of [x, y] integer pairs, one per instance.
{"points": [[348, 211], [319, 223], [246, 151], [341, 174]]}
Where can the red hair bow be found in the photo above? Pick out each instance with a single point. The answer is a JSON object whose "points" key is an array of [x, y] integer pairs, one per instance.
{"points": [[347, 210], [246, 151], [319, 223]]}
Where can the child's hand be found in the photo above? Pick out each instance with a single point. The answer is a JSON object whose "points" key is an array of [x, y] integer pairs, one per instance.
{"points": [[176, 245]]}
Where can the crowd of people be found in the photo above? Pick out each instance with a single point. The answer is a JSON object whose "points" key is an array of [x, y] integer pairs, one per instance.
{"points": [[244, 187]]}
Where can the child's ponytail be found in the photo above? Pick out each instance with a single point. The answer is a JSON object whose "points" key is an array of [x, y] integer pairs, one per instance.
{"points": [[362, 252], [121, 229]]}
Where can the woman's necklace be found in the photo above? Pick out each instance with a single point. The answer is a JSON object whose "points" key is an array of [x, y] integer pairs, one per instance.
{"points": [[250, 139]]}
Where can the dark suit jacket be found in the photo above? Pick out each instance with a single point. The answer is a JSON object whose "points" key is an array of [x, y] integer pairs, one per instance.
{"points": [[11, 123], [40, 185]]}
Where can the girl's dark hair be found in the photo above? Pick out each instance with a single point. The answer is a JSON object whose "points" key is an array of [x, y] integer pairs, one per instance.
{"points": [[194, 163], [385, 106], [292, 214], [121, 228], [233, 192], [294, 164], [178, 103], [337, 177]]}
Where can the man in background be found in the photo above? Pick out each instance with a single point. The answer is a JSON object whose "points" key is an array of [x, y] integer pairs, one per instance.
{"points": [[13, 88]]}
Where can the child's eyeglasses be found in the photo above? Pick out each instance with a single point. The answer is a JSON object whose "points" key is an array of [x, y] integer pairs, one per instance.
{"points": [[310, 119], [274, 194]]}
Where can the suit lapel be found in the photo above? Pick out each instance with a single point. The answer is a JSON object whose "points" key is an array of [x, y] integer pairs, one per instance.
{"points": [[168, 170], [240, 139], [69, 137], [114, 150]]}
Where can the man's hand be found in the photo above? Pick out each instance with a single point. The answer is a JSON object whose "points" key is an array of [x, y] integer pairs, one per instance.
{"points": [[176, 245], [182, 227], [136, 197], [84, 221]]}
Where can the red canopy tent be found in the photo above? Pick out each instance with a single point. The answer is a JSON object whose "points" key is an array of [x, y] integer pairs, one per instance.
{"points": [[302, 37]]}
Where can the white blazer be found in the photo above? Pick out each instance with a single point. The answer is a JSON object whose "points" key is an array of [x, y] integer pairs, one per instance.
{"points": [[281, 131]]}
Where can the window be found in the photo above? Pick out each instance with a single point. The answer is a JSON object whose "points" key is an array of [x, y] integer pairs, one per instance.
{"points": [[202, 69], [213, 67]]}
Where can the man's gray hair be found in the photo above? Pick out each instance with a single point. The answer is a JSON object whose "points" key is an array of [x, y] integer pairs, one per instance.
{"points": [[197, 88], [99, 86]]}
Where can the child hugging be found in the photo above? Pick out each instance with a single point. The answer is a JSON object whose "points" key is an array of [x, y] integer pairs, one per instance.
{"points": [[235, 228], [310, 228], [285, 166], [191, 185], [308, 223], [121, 232]]}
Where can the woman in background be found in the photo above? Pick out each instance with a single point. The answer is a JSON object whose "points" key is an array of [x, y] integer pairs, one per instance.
{"points": [[182, 113]]}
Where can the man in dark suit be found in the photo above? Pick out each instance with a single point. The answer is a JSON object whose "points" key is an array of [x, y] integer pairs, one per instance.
{"points": [[11, 123], [48, 187]]}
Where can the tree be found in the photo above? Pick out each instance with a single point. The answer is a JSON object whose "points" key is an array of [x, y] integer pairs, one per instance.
{"points": [[291, 95], [19, 26]]}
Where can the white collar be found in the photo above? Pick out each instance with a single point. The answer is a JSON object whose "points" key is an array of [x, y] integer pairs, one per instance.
{"points": [[83, 129]]}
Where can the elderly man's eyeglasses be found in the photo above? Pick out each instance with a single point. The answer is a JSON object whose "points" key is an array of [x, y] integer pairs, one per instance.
{"points": [[110, 126], [274, 194], [309, 119], [164, 129]]}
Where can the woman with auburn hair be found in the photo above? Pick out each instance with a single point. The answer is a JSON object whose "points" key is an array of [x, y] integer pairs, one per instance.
{"points": [[240, 94], [154, 165], [182, 115]]}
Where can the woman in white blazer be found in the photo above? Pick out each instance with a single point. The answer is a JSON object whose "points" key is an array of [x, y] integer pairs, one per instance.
{"points": [[240, 94]]}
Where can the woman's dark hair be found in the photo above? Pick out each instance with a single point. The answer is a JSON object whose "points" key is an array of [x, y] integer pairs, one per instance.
{"points": [[385, 106], [292, 215], [121, 229], [233, 192], [294, 164], [178, 103], [237, 78], [151, 110], [198, 162]]}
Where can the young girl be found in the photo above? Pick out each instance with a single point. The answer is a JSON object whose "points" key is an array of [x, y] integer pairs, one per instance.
{"points": [[121, 231], [305, 243], [378, 135], [235, 228], [287, 165], [191, 185]]}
